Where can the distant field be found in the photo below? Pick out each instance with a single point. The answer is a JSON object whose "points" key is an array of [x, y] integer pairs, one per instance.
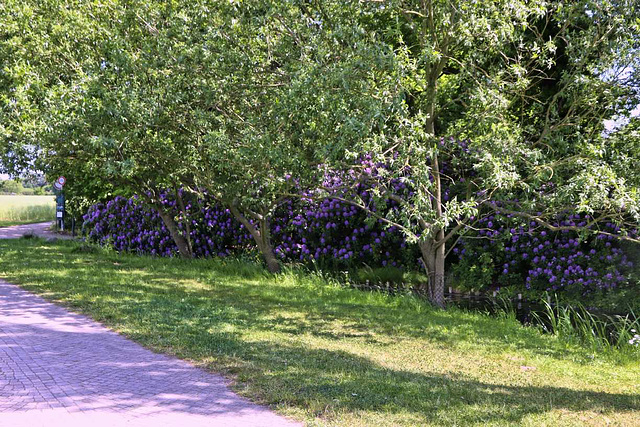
{"points": [[26, 209]]}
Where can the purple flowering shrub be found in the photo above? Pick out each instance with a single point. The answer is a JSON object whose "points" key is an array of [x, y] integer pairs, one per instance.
{"points": [[514, 252], [131, 226], [333, 234], [127, 225], [328, 233]]}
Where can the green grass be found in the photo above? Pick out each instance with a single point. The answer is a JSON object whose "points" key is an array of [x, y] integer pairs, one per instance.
{"points": [[601, 333], [16, 210], [328, 355]]}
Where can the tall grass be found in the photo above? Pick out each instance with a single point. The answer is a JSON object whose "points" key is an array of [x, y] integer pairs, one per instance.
{"points": [[26, 209], [503, 308], [599, 332]]}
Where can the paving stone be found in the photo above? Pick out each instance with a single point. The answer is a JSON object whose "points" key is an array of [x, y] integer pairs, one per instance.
{"points": [[62, 369], [40, 229]]}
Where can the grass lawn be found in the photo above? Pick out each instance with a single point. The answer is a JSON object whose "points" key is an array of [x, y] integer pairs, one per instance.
{"points": [[18, 209], [329, 355]]}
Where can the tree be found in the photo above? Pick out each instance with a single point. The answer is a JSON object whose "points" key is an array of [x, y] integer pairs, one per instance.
{"points": [[525, 87], [88, 105], [245, 67], [11, 186], [139, 98], [271, 132]]}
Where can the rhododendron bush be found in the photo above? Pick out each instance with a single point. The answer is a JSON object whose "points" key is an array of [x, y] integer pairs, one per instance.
{"points": [[505, 251], [329, 233]]}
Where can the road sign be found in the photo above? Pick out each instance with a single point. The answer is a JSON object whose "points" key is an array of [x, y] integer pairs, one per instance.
{"points": [[60, 182], [58, 185]]}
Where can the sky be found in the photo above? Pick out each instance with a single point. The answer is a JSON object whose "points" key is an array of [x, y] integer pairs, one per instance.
{"points": [[613, 124]]}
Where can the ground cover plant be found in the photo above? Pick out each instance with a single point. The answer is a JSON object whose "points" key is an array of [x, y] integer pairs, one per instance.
{"points": [[330, 355], [26, 209]]}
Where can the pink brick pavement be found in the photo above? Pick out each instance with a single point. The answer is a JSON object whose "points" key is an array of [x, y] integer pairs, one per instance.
{"points": [[62, 369], [40, 229]]}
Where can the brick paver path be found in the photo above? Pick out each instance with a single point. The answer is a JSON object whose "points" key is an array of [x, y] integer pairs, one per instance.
{"points": [[62, 369], [40, 229]]}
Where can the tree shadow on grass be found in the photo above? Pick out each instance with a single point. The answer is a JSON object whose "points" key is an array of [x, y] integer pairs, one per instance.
{"points": [[165, 289], [335, 382]]}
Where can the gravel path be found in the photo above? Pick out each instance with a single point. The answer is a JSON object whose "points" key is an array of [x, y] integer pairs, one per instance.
{"points": [[62, 369]]}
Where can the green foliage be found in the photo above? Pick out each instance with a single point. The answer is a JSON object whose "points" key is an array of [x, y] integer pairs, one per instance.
{"points": [[11, 186], [600, 333], [387, 275], [474, 274]]}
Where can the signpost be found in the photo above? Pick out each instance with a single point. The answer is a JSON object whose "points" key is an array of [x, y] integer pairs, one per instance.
{"points": [[59, 185]]}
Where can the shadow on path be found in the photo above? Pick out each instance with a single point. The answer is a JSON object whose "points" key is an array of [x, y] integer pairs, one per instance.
{"points": [[51, 359]]}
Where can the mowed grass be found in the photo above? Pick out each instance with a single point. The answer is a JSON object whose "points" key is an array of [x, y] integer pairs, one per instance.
{"points": [[18, 209], [328, 355]]}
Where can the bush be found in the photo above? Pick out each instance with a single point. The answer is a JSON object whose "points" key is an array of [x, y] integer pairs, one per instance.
{"points": [[333, 235], [329, 234], [11, 186], [512, 252], [131, 226]]}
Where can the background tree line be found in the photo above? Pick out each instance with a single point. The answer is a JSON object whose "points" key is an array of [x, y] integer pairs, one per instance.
{"points": [[31, 185]]}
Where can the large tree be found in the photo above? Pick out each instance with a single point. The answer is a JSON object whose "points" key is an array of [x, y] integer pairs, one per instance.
{"points": [[262, 145], [142, 97], [511, 94], [83, 98]]}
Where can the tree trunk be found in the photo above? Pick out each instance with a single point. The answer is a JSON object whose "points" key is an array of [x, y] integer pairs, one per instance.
{"points": [[180, 241], [267, 251], [433, 258], [261, 236], [186, 221]]}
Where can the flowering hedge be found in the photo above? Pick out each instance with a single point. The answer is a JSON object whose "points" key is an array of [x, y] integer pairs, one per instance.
{"points": [[329, 233], [334, 235], [131, 226], [507, 250]]}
